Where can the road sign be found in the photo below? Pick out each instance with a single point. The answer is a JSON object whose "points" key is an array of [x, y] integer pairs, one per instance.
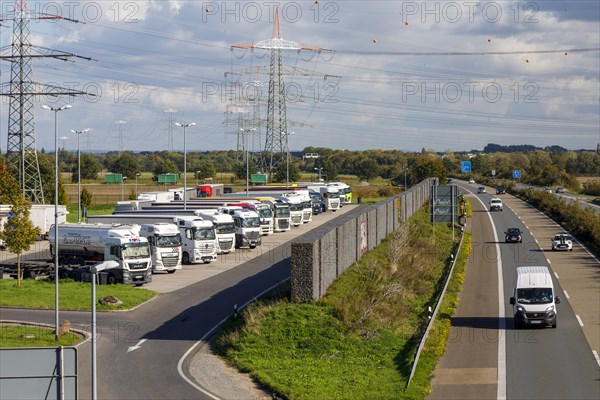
{"points": [[444, 204], [465, 166], [493, 172], [516, 174]]}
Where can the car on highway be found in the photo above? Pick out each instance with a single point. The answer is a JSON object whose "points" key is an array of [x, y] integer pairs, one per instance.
{"points": [[513, 235], [500, 190], [560, 190], [548, 190], [596, 201], [471, 180], [562, 241], [481, 189]]}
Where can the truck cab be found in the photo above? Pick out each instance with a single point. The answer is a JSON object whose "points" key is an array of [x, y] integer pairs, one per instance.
{"points": [[495, 204], [247, 226], [265, 215], [281, 215], [165, 245], [224, 228], [198, 238], [296, 208], [534, 299]]}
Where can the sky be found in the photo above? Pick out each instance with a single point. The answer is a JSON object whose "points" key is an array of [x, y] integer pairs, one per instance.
{"points": [[404, 75]]}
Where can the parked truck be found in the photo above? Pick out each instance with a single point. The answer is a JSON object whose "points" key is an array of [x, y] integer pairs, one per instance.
{"points": [[163, 196], [247, 226], [224, 228], [265, 215], [41, 215], [281, 215], [199, 239], [330, 195], [165, 245], [85, 244]]}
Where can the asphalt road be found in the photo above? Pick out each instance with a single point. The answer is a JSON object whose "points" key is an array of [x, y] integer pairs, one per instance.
{"points": [[541, 363], [139, 351]]}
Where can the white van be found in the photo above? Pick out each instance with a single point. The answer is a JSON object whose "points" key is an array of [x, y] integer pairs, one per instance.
{"points": [[534, 300]]}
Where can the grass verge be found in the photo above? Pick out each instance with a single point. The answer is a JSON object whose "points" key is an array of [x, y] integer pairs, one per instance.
{"points": [[359, 341], [34, 336], [71, 295]]}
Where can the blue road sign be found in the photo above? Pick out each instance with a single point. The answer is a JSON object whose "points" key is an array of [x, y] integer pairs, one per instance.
{"points": [[517, 174], [465, 166]]}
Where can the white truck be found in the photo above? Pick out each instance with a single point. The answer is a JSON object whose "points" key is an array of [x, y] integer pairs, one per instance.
{"points": [[304, 196], [224, 228], [534, 299], [84, 244], [198, 238], [165, 245], [495, 204], [281, 215], [247, 226], [265, 215], [330, 195], [296, 208], [159, 197], [345, 192]]}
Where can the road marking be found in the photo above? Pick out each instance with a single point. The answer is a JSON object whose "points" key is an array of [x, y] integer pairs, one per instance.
{"points": [[501, 390], [596, 356], [549, 262], [208, 335], [579, 320], [556, 275], [536, 241], [566, 294], [137, 346]]}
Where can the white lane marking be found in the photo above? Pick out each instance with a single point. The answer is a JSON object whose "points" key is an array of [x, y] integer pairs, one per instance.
{"points": [[501, 392], [596, 356], [566, 294], [579, 320], [208, 335], [549, 262], [556, 275], [137, 346], [536, 241]]}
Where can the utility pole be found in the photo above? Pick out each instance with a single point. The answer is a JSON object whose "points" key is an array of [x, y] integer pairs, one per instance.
{"points": [[21, 149]]}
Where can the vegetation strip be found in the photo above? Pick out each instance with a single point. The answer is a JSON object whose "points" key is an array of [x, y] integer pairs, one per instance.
{"points": [[360, 340]]}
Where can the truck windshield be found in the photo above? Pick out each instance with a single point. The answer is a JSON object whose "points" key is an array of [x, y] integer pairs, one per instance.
{"points": [[204, 234], [265, 213], [225, 228], [306, 204], [282, 212], [534, 296], [296, 207], [168, 241], [136, 250], [335, 195], [252, 222]]}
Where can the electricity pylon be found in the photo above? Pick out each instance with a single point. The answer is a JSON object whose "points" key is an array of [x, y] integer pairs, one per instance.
{"points": [[276, 144], [21, 151]]}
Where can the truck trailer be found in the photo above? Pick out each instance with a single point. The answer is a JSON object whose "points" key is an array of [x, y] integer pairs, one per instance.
{"points": [[85, 244]]}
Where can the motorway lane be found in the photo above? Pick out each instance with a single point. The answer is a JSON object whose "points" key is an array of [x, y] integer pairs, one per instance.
{"points": [[542, 363], [469, 367], [171, 324]]}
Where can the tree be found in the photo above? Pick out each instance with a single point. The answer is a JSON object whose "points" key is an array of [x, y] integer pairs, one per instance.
{"points": [[90, 167], [428, 166], [18, 232], [366, 168], [86, 198], [127, 165], [282, 173]]}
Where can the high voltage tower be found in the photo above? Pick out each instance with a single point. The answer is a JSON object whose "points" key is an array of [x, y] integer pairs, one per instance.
{"points": [[21, 151], [276, 143]]}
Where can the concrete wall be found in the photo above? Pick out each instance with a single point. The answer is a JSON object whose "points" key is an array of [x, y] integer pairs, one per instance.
{"points": [[320, 256]]}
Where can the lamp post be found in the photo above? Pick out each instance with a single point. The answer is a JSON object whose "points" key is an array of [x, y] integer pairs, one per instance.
{"points": [[184, 162], [137, 174], [287, 157], [78, 133], [197, 176], [123, 188], [56, 110], [95, 270], [246, 145], [319, 169], [405, 170]]}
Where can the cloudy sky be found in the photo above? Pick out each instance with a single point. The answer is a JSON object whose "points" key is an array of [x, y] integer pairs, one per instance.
{"points": [[403, 75]]}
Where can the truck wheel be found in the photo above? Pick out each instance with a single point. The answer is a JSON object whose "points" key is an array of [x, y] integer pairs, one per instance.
{"points": [[111, 279], [185, 259], [554, 324], [62, 261], [29, 274], [80, 261], [64, 274]]}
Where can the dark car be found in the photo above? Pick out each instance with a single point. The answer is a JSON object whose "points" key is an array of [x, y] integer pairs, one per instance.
{"points": [[500, 190], [560, 190], [596, 201], [513, 235], [318, 206]]}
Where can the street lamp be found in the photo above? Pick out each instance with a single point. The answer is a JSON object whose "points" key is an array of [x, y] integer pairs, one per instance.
{"points": [[78, 133], [405, 170], [319, 169], [122, 187], [56, 110], [95, 270], [137, 174], [197, 176], [184, 162], [246, 132], [287, 158]]}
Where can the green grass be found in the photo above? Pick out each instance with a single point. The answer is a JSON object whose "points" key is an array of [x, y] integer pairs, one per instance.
{"points": [[21, 336], [71, 295], [359, 341], [94, 209]]}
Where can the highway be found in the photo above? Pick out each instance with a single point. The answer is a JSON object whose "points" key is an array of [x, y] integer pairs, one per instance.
{"points": [[486, 357], [139, 351]]}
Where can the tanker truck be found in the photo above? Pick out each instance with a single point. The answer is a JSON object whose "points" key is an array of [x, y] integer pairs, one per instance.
{"points": [[86, 244]]}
